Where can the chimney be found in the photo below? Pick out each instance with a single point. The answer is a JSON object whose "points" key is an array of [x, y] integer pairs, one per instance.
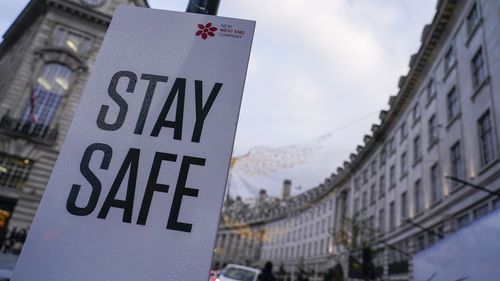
{"points": [[287, 189]]}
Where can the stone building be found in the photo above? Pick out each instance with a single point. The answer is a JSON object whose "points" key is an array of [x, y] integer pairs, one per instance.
{"points": [[442, 123], [45, 59]]}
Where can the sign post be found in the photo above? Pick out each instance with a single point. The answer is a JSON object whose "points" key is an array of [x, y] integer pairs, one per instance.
{"points": [[208, 7], [137, 189]]}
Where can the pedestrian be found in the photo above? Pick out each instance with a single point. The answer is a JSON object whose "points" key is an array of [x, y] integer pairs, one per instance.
{"points": [[267, 273]]}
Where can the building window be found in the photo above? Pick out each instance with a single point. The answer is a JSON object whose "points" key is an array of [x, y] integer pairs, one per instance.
{"points": [[392, 146], [495, 204], [372, 194], [356, 205], [433, 129], [383, 156], [417, 151], [381, 186], [381, 220], [365, 176], [419, 197], [404, 205], [478, 68], [429, 89], [486, 139], [356, 184], [463, 220], [403, 132], [71, 40], [420, 245], [373, 168], [392, 215], [449, 59], [452, 104], [480, 211], [436, 188], [14, 171], [46, 97], [404, 165], [364, 199], [392, 177], [472, 19], [457, 167], [416, 112]]}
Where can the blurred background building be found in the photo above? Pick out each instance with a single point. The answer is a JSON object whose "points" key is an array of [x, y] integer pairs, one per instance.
{"points": [[45, 59]]}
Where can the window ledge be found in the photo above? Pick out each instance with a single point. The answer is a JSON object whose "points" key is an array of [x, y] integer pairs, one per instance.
{"points": [[432, 144], [480, 86], [449, 70], [456, 188], [430, 99], [417, 215], [415, 122], [435, 203], [452, 120], [488, 166], [472, 32], [417, 161], [403, 176]]}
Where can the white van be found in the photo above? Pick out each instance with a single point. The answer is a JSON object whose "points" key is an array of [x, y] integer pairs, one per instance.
{"points": [[234, 272]]}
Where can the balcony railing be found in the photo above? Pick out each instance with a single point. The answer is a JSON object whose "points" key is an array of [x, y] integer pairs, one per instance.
{"points": [[40, 133]]}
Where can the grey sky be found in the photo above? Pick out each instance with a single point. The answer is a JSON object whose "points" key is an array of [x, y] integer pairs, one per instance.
{"points": [[316, 66]]}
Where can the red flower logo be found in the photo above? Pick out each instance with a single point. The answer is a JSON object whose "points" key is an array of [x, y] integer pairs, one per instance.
{"points": [[206, 30]]}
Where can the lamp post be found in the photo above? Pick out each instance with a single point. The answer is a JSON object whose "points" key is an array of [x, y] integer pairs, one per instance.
{"points": [[207, 7], [496, 193]]}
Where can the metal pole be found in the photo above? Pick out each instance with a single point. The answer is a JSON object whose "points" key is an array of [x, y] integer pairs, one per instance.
{"points": [[207, 7], [473, 185], [424, 228]]}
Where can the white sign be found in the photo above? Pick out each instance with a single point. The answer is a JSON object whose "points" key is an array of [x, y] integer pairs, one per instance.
{"points": [[469, 254], [138, 186]]}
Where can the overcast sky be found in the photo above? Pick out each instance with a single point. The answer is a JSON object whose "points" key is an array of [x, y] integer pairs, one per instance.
{"points": [[316, 67]]}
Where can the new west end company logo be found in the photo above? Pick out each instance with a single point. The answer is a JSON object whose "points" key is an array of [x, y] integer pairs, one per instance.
{"points": [[206, 31]]}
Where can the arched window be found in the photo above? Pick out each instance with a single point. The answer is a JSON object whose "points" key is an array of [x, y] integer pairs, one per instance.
{"points": [[46, 96]]}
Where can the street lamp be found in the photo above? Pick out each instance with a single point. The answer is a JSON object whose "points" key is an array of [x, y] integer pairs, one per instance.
{"points": [[207, 7], [473, 185]]}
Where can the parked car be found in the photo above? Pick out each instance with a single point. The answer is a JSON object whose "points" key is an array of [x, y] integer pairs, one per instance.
{"points": [[234, 272]]}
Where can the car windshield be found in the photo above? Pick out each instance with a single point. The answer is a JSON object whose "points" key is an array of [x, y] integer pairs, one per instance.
{"points": [[239, 274]]}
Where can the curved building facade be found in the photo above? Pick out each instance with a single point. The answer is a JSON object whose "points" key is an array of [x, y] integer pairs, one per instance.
{"points": [[409, 184]]}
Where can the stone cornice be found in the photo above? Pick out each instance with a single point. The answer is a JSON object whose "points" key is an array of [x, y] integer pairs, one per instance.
{"points": [[81, 11]]}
